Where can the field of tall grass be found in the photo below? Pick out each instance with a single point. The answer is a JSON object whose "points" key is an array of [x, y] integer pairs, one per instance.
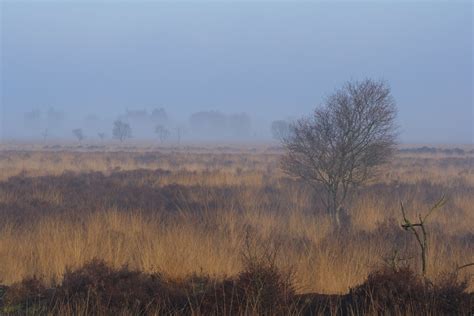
{"points": [[197, 211]]}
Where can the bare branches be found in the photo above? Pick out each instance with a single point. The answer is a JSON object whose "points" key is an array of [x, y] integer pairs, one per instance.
{"points": [[121, 130], [465, 266], [422, 238], [78, 133], [340, 145], [162, 132]]}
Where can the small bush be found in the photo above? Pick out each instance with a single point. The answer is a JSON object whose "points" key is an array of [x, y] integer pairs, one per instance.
{"points": [[265, 289], [403, 291], [108, 289], [260, 289], [451, 296], [390, 289], [28, 291]]}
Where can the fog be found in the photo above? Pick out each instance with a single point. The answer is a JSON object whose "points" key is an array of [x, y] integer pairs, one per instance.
{"points": [[226, 70]]}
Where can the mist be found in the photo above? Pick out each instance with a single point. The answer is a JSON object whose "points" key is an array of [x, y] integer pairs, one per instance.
{"points": [[225, 71]]}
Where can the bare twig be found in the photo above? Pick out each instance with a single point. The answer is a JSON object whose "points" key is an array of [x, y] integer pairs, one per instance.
{"points": [[422, 238]]}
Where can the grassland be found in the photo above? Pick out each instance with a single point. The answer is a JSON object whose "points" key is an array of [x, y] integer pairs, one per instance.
{"points": [[196, 211]]}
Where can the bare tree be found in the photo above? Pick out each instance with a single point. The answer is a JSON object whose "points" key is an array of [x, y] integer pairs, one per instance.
{"points": [[342, 143], [162, 132], [45, 134], [78, 134], [121, 130], [101, 135], [179, 134], [423, 238]]}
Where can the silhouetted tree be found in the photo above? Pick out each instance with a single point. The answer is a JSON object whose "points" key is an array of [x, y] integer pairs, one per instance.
{"points": [[340, 145], [45, 134], [121, 130], [280, 129], [78, 134], [162, 132], [101, 135]]}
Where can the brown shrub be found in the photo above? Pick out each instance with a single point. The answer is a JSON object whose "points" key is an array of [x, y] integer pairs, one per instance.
{"points": [[28, 291], [402, 291], [265, 289], [107, 289], [390, 289], [451, 296], [260, 289]]}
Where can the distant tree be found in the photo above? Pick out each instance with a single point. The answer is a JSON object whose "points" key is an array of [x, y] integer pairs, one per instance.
{"points": [[340, 145], [101, 135], [78, 134], [45, 134], [280, 129], [121, 130], [162, 132]]}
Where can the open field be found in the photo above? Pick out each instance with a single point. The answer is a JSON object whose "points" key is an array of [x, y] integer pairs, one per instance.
{"points": [[198, 210]]}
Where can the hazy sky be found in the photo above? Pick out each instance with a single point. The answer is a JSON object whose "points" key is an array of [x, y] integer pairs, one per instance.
{"points": [[270, 59]]}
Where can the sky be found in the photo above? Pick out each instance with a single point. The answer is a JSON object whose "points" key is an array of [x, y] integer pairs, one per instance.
{"points": [[272, 60]]}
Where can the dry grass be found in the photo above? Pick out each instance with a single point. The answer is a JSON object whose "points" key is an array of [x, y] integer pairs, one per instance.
{"points": [[195, 218]]}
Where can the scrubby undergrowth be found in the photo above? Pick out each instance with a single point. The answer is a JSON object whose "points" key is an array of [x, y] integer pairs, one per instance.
{"points": [[260, 289], [186, 213]]}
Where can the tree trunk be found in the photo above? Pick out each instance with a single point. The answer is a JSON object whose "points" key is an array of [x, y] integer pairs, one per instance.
{"points": [[333, 208], [337, 218]]}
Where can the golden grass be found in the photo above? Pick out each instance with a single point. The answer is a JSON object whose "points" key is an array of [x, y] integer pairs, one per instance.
{"points": [[183, 248], [212, 243]]}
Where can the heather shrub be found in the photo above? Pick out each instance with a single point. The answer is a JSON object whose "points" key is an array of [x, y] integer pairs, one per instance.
{"points": [[265, 289], [450, 295], [259, 289], [29, 291], [401, 290], [110, 289], [390, 289]]}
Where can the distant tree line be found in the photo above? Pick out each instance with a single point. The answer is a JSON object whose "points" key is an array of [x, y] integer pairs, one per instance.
{"points": [[433, 150], [202, 125]]}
